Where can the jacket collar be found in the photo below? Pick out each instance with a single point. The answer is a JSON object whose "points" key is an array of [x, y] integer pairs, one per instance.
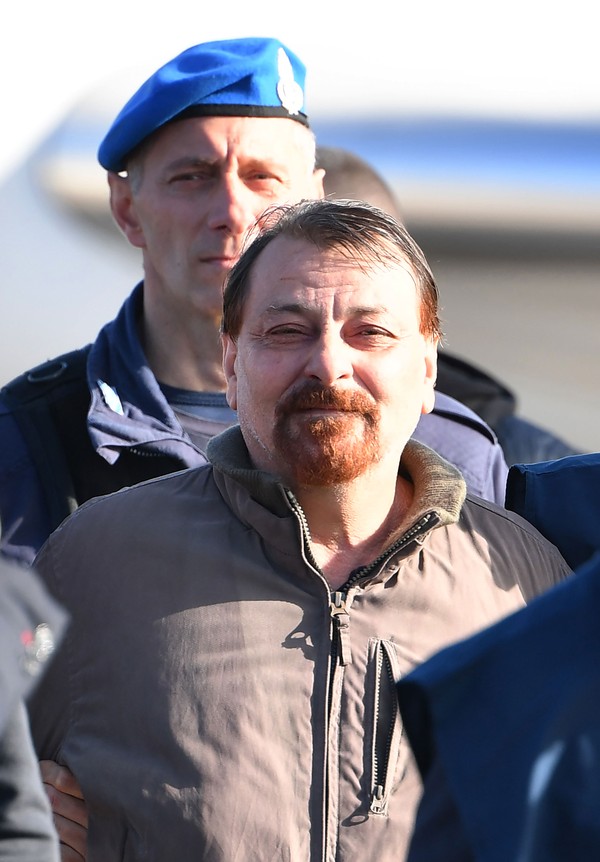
{"points": [[128, 408], [439, 487]]}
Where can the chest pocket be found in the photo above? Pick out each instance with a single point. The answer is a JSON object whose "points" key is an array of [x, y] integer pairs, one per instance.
{"points": [[389, 751]]}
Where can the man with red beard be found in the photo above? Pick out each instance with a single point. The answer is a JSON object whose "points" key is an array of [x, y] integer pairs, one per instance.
{"points": [[227, 689]]}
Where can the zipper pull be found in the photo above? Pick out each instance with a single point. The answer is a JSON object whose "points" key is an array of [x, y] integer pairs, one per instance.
{"points": [[341, 620], [378, 801]]}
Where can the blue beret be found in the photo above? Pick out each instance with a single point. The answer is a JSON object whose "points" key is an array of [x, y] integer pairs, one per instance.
{"points": [[251, 77]]}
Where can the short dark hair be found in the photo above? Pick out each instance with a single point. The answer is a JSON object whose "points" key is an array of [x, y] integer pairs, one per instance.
{"points": [[351, 227], [347, 175]]}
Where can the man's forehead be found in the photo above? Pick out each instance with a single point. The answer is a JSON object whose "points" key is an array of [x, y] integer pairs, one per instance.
{"points": [[267, 138], [287, 255], [294, 271]]}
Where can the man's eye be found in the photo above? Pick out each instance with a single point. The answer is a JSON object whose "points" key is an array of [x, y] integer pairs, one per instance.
{"points": [[264, 178], [372, 336], [373, 332], [190, 177], [287, 329]]}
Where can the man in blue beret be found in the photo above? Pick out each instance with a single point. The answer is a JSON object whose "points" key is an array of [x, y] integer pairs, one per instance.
{"points": [[211, 140]]}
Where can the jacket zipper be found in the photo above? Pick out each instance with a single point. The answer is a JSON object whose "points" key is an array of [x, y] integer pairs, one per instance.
{"points": [[340, 614], [386, 739], [142, 453], [339, 608]]}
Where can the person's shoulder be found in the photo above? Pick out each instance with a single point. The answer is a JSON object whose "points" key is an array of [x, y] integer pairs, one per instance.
{"points": [[44, 380], [514, 541], [121, 530], [531, 487], [31, 625], [489, 397], [127, 504], [538, 491], [550, 616], [25, 404], [524, 441], [489, 512], [448, 408], [458, 434]]}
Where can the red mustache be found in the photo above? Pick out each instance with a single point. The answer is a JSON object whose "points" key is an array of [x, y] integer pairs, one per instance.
{"points": [[313, 395]]}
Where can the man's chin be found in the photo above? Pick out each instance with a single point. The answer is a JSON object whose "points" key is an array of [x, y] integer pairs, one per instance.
{"points": [[323, 473], [325, 448], [330, 462]]}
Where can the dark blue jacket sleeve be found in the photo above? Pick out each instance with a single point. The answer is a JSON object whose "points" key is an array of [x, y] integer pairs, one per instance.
{"points": [[24, 520]]}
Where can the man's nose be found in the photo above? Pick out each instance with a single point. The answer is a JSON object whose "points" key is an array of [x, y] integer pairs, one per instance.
{"points": [[329, 359], [234, 207]]}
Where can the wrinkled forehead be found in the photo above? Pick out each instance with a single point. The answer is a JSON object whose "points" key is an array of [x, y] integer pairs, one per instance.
{"points": [[286, 251], [298, 270], [259, 138]]}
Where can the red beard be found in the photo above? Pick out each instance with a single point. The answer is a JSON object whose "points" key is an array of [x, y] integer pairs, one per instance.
{"points": [[326, 450]]}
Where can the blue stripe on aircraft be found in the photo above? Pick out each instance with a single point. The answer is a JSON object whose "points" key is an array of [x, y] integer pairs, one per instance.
{"points": [[493, 152]]}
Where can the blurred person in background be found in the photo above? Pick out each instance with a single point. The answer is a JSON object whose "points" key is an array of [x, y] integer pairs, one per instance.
{"points": [[522, 441], [31, 626]]}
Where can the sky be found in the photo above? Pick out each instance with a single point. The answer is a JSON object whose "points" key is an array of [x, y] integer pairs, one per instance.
{"points": [[520, 58]]}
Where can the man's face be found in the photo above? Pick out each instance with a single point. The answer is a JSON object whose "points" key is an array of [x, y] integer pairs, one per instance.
{"points": [[202, 184], [330, 371]]}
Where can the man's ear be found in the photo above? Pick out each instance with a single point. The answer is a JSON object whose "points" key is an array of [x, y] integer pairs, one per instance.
{"points": [[229, 367], [318, 188], [122, 206], [431, 352]]}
